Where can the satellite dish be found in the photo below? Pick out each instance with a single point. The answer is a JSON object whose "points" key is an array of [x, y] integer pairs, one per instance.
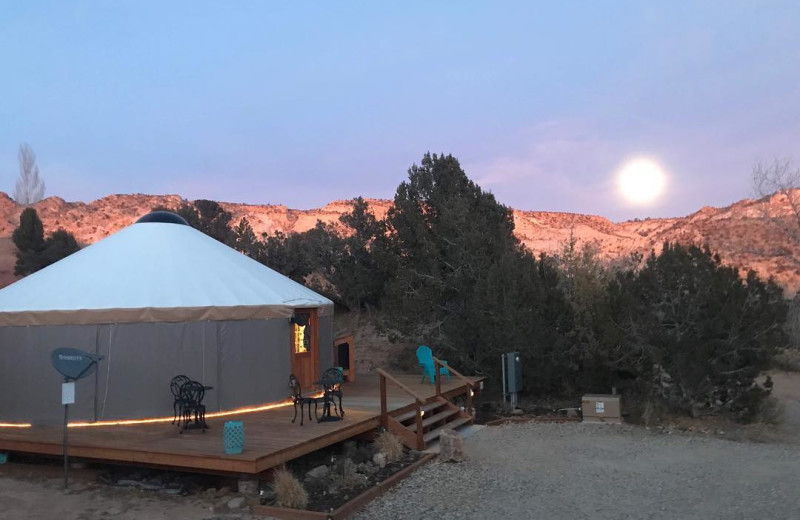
{"points": [[74, 364]]}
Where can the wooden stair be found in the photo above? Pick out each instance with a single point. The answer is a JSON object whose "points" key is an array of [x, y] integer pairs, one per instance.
{"points": [[438, 414]]}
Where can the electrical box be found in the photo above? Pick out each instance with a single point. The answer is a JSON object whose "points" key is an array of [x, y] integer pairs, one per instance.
{"points": [[601, 408], [513, 371]]}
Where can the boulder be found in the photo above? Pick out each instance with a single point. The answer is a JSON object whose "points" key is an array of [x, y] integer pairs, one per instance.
{"points": [[236, 503], [318, 473], [248, 486], [451, 446]]}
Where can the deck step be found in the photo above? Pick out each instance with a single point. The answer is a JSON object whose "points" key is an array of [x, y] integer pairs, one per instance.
{"points": [[427, 407], [433, 419], [434, 434]]}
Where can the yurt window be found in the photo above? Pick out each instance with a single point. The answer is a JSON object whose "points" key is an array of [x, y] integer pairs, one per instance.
{"points": [[302, 332]]}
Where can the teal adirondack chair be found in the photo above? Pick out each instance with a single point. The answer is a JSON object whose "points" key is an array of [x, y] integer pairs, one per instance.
{"points": [[425, 358]]}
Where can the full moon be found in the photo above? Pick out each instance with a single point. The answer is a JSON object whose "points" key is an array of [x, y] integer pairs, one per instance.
{"points": [[641, 181]]}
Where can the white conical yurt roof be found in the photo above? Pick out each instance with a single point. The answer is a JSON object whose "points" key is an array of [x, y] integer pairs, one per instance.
{"points": [[154, 272]]}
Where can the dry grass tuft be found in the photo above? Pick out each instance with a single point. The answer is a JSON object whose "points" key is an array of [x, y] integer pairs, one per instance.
{"points": [[389, 444], [289, 492]]}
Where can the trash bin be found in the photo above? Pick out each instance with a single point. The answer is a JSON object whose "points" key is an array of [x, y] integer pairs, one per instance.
{"points": [[233, 437]]}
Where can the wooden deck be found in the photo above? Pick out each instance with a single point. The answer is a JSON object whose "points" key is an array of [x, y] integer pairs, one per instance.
{"points": [[270, 437]]}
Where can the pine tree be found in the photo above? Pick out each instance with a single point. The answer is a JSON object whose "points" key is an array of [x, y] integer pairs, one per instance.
{"points": [[34, 252], [704, 333]]}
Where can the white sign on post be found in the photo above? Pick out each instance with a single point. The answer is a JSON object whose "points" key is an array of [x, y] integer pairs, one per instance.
{"points": [[599, 407], [68, 393]]}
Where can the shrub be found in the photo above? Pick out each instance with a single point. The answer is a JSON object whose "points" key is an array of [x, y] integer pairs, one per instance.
{"points": [[787, 360], [770, 411], [701, 334], [389, 444], [289, 492]]}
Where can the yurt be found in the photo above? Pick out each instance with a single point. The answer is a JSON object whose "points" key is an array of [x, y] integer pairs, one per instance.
{"points": [[156, 300]]}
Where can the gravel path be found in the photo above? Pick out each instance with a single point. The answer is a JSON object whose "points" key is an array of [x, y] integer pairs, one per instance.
{"points": [[577, 471]]}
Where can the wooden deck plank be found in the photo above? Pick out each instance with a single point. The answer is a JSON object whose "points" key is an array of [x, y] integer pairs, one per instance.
{"points": [[270, 437]]}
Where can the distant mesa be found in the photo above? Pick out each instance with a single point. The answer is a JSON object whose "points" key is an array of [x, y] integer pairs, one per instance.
{"points": [[741, 233], [163, 217]]}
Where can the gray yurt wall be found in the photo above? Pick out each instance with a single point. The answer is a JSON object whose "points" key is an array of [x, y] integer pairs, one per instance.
{"points": [[247, 362]]}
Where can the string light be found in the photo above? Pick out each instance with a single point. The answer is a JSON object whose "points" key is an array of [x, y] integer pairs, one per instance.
{"points": [[157, 420]]}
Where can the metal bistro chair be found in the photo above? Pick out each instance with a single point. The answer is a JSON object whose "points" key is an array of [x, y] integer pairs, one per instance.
{"points": [[192, 394], [332, 380], [175, 388], [299, 399]]}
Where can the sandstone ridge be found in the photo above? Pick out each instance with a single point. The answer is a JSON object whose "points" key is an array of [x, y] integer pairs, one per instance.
{"points": [[747, 234]]}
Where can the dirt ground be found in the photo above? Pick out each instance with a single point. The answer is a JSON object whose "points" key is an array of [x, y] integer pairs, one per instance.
{"points": [[552, 471]]}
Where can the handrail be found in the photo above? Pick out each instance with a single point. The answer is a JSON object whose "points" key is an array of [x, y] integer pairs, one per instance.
{"points": [[420, 441], [416, 396], [454, 371], [437, 363]]}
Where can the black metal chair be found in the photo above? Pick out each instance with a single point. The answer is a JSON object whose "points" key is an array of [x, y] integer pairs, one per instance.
{"points": [[191, 396], [332, 380], [299, 399], [175, 388]]}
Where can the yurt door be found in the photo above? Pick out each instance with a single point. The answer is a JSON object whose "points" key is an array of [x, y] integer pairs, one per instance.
{"points": [[305, 346]]}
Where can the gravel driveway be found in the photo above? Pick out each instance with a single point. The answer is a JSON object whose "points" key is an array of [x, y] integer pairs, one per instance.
{"points": [[577, 471]]}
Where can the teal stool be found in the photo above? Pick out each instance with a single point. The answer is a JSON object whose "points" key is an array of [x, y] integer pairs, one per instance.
{"points": [[233, 437]]}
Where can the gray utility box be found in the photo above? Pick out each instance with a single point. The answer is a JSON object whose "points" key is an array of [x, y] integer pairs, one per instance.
{"points": [[601, 408], [513, 369]]}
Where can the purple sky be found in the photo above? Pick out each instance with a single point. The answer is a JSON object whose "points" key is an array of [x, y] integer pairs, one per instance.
{"points": [[294, 104]]}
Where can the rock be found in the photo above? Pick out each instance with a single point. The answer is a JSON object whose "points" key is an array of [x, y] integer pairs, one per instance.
{"points": [[221, 492], [248, 486], [319, 472], [106, 478], [236, 503], [451, 446], [114, 511], [380, 460], [219, 508], [155, 481], [77, 487], [128, 482]]}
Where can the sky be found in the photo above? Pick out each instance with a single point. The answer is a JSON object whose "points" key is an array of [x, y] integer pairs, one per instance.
{"points": [[302, 103]]}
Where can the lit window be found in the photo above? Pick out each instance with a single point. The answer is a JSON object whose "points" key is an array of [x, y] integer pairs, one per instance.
{"points": [[302, 333]]}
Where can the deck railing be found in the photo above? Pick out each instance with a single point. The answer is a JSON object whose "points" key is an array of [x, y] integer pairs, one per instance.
{"points": [[437, 366], [386, 421]]}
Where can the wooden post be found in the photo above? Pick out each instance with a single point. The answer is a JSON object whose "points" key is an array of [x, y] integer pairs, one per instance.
{"points": [[383, 401], [420, 440], [436, 377], [469, 400]]}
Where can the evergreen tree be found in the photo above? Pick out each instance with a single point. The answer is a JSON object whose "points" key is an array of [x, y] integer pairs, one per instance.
{"points": [[703, 334], [210, 218], [463, 284], [244, 239], [29, 235], [60, 244], [34, 252], [363, 266], [29, 239]]}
